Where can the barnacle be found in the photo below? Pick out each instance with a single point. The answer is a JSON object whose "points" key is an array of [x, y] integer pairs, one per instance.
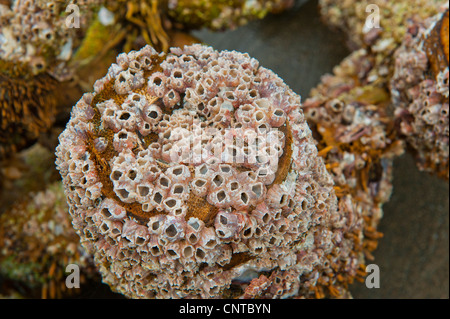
{"points": [[420, 93], [38, 242], [194, 174]]}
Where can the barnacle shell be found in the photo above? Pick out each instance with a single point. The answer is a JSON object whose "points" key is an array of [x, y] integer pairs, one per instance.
{"points": [[420, 93], [166, 215], [37, 243]]}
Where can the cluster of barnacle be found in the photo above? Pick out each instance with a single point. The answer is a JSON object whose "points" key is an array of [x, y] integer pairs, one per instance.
{"points": [[37, 243], [51, 53], [349, 118], [403, 54], [219, 215], [419, 90], [36, 33]]}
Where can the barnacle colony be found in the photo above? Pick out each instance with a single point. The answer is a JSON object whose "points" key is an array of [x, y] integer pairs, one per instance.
{"points": [[419, 90], [403, 54], [36, 48], [163, 214]]}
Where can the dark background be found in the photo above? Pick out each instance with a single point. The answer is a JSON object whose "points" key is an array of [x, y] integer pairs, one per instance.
{"points": [[413, 256]]}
